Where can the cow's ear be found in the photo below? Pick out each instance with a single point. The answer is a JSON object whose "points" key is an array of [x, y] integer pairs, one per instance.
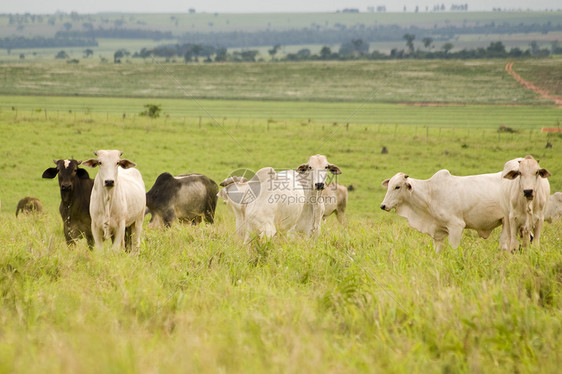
{"points": [[333, 169], [409, 186], [126, 164], [544, 173], [385, 182], [303, 168], [82, 173], [91, 163], [512, 174], [50, 173]]}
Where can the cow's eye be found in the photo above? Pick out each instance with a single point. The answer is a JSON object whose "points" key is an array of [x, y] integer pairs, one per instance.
{"points": [[397, 187]]}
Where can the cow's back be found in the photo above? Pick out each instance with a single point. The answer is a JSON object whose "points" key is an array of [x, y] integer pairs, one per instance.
{"points": [[475, 199], [196, 194], [553, 210], [132, 187]]}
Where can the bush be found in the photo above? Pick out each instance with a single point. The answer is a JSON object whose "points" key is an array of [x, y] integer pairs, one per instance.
{"points": [[152, 111]]}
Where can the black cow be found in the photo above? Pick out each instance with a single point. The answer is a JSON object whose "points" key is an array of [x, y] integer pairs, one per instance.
{"points": [[75, 190], [187, 197]]}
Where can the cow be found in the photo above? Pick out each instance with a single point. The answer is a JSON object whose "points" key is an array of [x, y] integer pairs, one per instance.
{"points": [[334, 197], [118, 200], [446, 204], [75, 187], [313, 176], [525, 193], [29, 204], [553, 210], [186, 197], [267, 203], [273, 201]]}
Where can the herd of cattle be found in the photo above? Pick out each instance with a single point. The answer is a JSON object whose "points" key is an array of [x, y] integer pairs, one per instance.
{"points": [[113, 205]]}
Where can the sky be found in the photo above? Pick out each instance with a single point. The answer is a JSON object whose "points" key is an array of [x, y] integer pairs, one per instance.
{"points": [[255, 6]]}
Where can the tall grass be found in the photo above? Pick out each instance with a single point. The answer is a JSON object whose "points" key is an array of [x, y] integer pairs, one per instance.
{"points": [[368, 297]]}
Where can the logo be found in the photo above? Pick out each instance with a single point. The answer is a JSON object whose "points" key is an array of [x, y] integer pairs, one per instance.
{"points": [[243, 187]]}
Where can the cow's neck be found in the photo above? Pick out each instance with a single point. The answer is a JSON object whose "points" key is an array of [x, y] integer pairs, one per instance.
{"points": [[420, 199]]}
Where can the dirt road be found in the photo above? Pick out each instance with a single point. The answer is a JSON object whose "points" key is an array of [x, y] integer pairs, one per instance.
{"points": [[531, 86]]}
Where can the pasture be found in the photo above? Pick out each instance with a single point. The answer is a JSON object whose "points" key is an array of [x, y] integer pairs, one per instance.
{"points": [[370, 297]]}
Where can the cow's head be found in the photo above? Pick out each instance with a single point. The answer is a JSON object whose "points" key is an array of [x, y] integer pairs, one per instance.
{"points": [[315, 171], [108, 162], [528, 171], [69, 173], [397, 189]]}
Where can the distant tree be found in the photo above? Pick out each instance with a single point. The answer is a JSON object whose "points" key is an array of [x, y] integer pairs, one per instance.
{"points": [[22, 56], [272, 52], [88, 52], [119, 54], [410, 41], [325, 53], [62, 55], [447, 47], [427, 42], [67, 26]]}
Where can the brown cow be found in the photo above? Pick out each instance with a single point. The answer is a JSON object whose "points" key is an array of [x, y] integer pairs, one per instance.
{"points": [[29, 205]]}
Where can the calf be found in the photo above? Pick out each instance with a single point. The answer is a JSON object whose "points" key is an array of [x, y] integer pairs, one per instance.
{"points": [[75, 189], [334, 197], [525, 192], [446, 204], [118, 200], [188, 197], [29, 205]]}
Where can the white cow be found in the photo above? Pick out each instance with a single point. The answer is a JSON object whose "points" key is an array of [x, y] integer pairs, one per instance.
{"points": [[553, 211], [313, 176], [285, 201], [118, 200], [446, 204], [525, 192], [335, 201], [265, 204]]}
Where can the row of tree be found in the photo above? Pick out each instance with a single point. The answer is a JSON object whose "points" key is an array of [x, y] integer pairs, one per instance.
{"points": [[352, 50], [15, 42]]}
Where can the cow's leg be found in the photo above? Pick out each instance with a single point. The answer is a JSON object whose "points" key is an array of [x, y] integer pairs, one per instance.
{"points": [[439, 240], [136, 234], [119, 236], [438, 245], [455, 235], [513, 235], [67, 236], [504, 240], [97, 233], [537, 231], [90, 239]]}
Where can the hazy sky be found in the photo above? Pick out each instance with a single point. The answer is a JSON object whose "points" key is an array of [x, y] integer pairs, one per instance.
{"points": [[254, 6]]}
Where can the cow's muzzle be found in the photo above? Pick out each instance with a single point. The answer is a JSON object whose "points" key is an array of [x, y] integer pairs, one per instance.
{"points": [[319, 186], [109, 183], [66, 187], [384, 207], [528, 194]]}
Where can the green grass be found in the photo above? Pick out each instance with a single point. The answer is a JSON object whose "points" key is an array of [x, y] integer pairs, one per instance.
{"points": [[369, 297], [461, 82]]}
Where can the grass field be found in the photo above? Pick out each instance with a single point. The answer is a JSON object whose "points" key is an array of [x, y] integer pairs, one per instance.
{"points": [[460, 82], [370, 297]]}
